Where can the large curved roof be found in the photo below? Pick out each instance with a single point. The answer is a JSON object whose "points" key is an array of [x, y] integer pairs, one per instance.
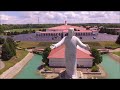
{"points": [[60, 53]]}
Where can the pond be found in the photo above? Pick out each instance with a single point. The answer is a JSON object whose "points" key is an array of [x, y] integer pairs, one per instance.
{"points": [[30, 71], [111, 66]]}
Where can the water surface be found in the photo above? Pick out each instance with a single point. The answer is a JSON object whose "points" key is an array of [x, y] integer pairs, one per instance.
{"points": [[111, 66], [30, 71]]}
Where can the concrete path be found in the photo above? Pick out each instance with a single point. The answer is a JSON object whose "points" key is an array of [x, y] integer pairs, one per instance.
{"points": [[11, 72], [2, 65], [115, 50]]}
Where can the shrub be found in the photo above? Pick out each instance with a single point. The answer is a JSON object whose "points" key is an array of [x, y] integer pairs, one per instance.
{"points": [[45, 55], [95, 68], [97, 56], [47, 68]]}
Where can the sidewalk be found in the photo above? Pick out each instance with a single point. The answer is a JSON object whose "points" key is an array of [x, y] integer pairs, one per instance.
{"points": [[115, 50]]}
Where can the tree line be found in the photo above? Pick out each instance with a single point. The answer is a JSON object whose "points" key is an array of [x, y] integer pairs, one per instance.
{"points": [[109, 31], [21, 26], [17, 33]]}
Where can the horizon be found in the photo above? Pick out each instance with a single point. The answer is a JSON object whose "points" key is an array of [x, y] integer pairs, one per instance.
{"points": [[61, 23], [58, 17]]}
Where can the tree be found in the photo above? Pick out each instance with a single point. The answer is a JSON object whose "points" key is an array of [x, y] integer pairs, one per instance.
{"points": [[118, 40], [1, 40], [15, 33], [6, 52], [97, 56], [102, 30], [45, 55], [1, 29], [33, 31], [8, 33], [12, 45]]}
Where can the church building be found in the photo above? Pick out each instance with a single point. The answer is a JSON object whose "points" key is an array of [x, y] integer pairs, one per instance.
{"points": [[57, 57], [58, 32]]}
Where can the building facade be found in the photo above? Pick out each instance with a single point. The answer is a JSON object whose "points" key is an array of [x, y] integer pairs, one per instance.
{"points": [[59, 32]]}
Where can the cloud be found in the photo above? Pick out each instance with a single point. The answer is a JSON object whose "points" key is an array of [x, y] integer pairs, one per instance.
{"points": [[25, 17], [6, 17]]}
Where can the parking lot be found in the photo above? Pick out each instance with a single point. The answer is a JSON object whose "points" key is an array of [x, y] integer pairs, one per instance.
{"points": [[33, 37]]}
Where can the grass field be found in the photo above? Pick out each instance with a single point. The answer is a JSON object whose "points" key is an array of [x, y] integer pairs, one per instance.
{"points": [[20, 55], [94, 44], [28, 44], [109, 43], [20, 30], [117, 53], [103, 44]]}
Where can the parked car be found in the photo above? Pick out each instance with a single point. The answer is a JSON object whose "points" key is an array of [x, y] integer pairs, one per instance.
{"points": [[94, 37]]}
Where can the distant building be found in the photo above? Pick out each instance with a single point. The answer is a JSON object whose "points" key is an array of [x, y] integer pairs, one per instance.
{"points": [[59, 32], [117, 30], [57, 57]]}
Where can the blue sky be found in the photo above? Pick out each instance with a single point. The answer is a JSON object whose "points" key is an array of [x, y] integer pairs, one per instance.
{"points": [[27, 17]]}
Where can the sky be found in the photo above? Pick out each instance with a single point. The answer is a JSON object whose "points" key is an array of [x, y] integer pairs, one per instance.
{"points": [[55, 17]]}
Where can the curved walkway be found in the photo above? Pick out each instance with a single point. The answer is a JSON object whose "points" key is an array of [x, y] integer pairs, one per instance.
{"points": [[2, 65], [11, 72], [114, 56], [115, 50]]}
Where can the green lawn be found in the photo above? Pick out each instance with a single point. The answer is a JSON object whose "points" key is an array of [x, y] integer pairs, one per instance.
{"points": [[94, 44], [28, 44], [109, 43], [117, 53], [20, 55], [45, 44], [103, 44], [20, 30]]}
